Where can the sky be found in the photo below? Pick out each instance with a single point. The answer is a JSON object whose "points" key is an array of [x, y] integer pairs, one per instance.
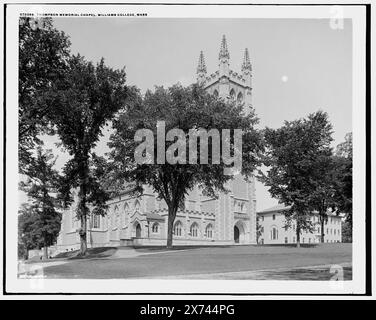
{"points": [[299, 65]]}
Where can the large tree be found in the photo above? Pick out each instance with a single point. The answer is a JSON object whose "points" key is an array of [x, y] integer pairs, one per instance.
{"points": [[39, 221], [184, 110], [344, 163], [292, 152], [43, 54], [86, 99]]}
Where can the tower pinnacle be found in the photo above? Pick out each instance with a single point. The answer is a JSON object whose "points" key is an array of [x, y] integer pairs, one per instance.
{"points": [[223, 52], [246, 65], [201, 68]]}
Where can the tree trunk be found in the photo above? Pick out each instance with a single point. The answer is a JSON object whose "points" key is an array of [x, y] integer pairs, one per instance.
{"points": [[83, 240], [45, 251], [297, 236], [170, 226], [322, 229]]}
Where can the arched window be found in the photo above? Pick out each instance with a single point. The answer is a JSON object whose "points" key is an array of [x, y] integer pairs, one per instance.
{"points": [[95, 221], [194, 230], [137, 205], [115, 218], [232, 94], [274, 233], [215, 93], [240, 97], [155, 227], [73, 222], [209, 231], [125, 214], [178, 227]]}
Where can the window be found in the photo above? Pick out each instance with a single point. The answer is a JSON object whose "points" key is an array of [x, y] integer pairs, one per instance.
{"points": [[240, 98], [115, 218], [232, 94], [274, 233], [286, 240], [73, 222], [262, 218], [273, 216], [194, 230], [335, 231], [318, 229], [309, 240], [303, 240], [178, 229], [209, 231], [215, 93], [125, 214], [137, 205], [293, 239], [95, 221], [155, 227]]}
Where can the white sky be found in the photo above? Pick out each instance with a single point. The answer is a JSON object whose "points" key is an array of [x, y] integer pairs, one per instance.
{"points": [[299, 66]]}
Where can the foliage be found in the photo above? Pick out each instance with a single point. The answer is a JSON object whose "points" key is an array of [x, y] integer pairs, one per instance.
{"points": [[87, 98], [43, 52], [184, 108], [39, 221], [293, 153]]}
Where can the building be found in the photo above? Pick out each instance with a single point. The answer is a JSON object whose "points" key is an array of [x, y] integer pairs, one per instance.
{"points": [[229, 219], [272, 228]]}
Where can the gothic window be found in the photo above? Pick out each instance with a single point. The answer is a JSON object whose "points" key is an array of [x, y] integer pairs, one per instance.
{"points": [[240, 97], [232, 94], [115, 218], [125, 214], [137, 205], [209, 231], [178, 229], [215, 93], [73, 222], [95, 221], [194, 230], [155, 227]]}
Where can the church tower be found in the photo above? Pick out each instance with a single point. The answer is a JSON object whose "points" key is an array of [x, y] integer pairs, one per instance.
{"points": [[225, 82], [236, 211]]}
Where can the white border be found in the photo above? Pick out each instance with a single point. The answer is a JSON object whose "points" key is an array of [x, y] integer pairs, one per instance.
{"points": [[356, 13]]}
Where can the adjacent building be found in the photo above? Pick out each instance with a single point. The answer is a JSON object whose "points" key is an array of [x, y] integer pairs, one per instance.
{"points": [[272, 228]]}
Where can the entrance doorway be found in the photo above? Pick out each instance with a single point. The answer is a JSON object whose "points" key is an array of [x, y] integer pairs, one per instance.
{"points": [[138, 231], [236, 234]]}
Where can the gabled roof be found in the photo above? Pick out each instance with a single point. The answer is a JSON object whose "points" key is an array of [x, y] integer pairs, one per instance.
{"points": [[153, 216], [278, 207]]}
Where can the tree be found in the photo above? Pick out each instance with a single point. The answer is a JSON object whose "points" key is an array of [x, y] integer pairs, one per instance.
{"points": [[343, 160], [184, 111], [291, 153], [43, 52], [39, 222], [87, 98]]}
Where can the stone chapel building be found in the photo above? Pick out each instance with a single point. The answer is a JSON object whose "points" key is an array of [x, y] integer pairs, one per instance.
{"points": [[229, 219]]}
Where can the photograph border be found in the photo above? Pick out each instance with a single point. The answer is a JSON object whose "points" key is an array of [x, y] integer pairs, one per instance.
{"points": [[368, 223]]}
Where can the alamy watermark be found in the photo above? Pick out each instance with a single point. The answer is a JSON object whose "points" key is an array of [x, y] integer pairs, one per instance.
{"points": [[176, 153]]}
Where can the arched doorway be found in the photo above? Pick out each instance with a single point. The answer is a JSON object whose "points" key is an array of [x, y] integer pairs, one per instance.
{"points": [[138, 231], [236, 234], [239, 232]]}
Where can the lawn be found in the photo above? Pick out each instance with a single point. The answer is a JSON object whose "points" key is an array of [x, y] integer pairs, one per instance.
{"points": [[161, 263]]}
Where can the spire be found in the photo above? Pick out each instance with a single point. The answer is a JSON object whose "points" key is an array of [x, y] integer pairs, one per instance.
{"points": [[246, 65], [223, 52], [201, 68]]}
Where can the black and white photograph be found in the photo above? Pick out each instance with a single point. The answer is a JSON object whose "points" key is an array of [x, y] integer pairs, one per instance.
{"points": [[186, 149]]}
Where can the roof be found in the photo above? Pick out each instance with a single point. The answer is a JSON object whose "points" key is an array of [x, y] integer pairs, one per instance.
{"points": [[153, 216], [282, 207], [278, 207]]}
